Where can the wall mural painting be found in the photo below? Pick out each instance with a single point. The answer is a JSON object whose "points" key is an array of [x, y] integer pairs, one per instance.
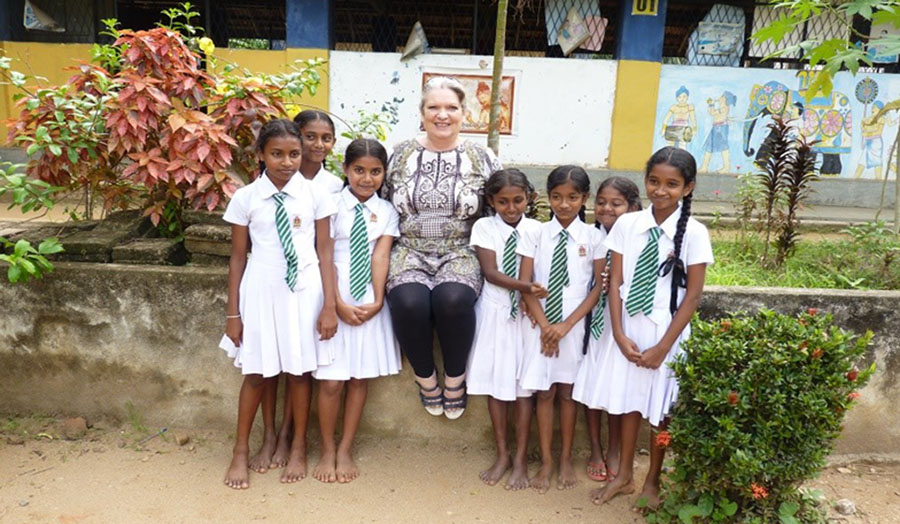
{"points": [[721, 116], [478, 101]]}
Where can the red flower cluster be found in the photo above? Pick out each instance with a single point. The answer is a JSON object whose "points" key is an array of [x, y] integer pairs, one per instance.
{"points": [[733, 398], [851, 376], [853, 395], [812, 311], [817, 353], [663, 439], [759, 492]]}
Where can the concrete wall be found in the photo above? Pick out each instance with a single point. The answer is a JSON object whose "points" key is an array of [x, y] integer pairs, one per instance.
{"points": [[561, 109], [89, 338]]}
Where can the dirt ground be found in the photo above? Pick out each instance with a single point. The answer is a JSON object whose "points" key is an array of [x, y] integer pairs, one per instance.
{"points": [[106, 476]]}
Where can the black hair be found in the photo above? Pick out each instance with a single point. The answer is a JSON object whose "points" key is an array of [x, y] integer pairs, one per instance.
{"points": [[568, 174], [313, 115], [684, 162], [280, 127], [507, 177], [361, 148]]}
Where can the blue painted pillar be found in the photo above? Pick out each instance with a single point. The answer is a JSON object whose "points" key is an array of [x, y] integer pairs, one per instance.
{"points": [[640, 36], [309, 23]]}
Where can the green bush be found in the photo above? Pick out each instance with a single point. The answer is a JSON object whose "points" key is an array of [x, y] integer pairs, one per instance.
{"points": [[762, 399]]}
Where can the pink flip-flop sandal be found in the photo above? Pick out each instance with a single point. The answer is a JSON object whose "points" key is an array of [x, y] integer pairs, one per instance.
{"points": [[597, 472]]}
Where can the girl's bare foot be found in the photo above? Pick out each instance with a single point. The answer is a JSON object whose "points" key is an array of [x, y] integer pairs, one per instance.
{"points": [[619, 486], [493, 474], [345, 467], [324, 471], [612, 466], [261, 462], [238, 476], [541, 481], [518, 479], [650, 492], [567, 478], [282, 452], [296, 467]]}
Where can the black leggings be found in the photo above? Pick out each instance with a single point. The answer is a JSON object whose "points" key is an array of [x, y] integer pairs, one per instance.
{"points": [[416, 311]]}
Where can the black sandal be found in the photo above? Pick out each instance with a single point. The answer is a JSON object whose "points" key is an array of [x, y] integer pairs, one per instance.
{"points": [[433, 405], [455, 407]]}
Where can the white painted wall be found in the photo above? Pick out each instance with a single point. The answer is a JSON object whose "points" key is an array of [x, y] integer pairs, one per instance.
{"points": [[562, 110]]}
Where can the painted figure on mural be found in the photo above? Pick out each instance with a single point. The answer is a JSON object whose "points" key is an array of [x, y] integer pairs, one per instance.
{"points": [[482, 119], [872, 143], [717, 140], [680, 123]]}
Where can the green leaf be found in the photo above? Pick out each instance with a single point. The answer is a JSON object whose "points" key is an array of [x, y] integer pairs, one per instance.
{"points": [[50, 246], [14, 273], [19, 195], [687, 513], [21, 248], [706, 505], [729, 507], [55, 149], [32, 149], [72, 154], [788, 508], [28, 266]]}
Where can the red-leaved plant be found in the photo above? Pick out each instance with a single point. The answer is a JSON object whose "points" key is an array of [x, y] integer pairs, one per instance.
{"points": [[147, 125]]}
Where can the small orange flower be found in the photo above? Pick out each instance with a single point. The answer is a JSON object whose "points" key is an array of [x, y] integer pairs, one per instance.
{"points": [[817, 353], [726, 324], [663, 439], [802, 322], [759, 492], [812, 311], [851, 376], [853, 395], [733, 398]]}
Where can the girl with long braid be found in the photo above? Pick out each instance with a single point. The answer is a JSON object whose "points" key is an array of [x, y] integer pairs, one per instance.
{"points": [[659, 259]]}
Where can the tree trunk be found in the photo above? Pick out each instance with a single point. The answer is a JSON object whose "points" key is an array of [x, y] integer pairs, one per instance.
{"points": [[493, 141]]}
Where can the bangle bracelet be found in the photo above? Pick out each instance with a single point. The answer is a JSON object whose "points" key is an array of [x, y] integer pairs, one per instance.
{"points": [[232, 316]]}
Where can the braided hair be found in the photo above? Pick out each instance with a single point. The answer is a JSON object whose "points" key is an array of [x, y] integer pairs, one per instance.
{"points": [[684, 162], [574, 175], [507, 177]]}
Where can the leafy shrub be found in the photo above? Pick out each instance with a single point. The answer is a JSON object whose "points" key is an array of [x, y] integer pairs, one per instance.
{"points": [[762, 398]]}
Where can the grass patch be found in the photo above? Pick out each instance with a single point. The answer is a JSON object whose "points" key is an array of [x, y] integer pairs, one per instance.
{"points": [[836, 264]]}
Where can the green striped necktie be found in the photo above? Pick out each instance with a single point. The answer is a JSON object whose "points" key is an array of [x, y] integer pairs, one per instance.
{"points": [[287, 240], [360, 261], [643, 284], [597, 318], [509, 269], [559, 278]]}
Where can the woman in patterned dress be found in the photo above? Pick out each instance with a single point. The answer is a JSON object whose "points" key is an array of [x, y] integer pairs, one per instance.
{"points": [[435, 181]]}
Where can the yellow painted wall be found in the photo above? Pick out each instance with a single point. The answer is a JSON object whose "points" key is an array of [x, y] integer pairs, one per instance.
{"points": [[273, 62], [51, 60], [634, 114], [37, 59]]}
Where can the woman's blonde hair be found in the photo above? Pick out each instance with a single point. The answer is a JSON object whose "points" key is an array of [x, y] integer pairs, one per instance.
{"points": [[442, 82]]}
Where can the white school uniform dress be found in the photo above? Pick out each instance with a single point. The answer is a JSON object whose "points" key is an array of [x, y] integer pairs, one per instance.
{"points": [[279, 325], [584, 389], [326, 179], [620, 386], [497, 349], [585, 245], [368, 350]]}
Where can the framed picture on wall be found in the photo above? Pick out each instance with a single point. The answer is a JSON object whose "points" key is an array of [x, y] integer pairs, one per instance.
{"points": [[477, 108]]}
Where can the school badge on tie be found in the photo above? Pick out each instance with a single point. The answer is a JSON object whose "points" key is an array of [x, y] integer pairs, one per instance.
{"points": [[296, 221]]}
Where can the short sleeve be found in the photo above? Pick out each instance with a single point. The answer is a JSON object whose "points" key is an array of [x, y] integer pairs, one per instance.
{"points": [[615, 240], [393, 223], [238, 210], [332, 226], [528, 243], [493, 163], [324, 202], [481, 234], [699, 247], [597, 247]]}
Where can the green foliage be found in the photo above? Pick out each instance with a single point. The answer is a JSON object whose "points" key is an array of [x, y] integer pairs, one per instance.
{"points": [[762, 398], [368, 124], [827, 57], [837, 264], [27, 262], [878, 240]]}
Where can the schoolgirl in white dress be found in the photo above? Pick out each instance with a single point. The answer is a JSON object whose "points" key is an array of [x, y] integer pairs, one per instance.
{"points": [[363, 229], [497, 347], [563, 256], [658, 268], [279, 303], [615, 197]]}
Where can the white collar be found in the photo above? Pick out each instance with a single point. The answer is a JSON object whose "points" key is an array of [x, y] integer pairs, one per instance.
{"points": [[576, 229], [646, 221], [350, 200], [293, 187]]}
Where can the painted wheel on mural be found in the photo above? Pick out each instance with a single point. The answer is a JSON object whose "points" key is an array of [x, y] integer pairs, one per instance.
{"points": [[866, 90], [776, 103], [848, 122], [762, 100], [832, 123], [809, 123]]}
